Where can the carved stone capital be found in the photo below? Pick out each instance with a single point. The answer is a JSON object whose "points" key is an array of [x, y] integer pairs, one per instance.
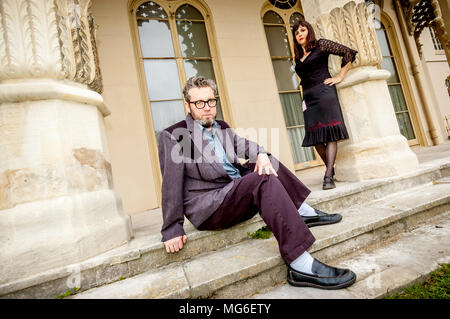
{"points": [[48, 39], [352, 25], [420, 14]]}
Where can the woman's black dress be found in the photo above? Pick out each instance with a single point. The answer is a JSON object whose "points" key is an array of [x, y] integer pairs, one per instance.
{"points": [[323, 116]]}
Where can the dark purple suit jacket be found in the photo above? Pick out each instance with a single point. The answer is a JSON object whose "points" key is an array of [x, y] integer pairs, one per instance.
{"points": [[194, 181]]}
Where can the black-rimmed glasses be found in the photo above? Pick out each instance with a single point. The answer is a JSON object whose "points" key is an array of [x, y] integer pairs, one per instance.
{"points": [[199, 104]]}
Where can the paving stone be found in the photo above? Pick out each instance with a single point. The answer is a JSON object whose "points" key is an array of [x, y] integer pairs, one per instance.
{"points": [[365, 223], [169, 282], [386, 269]]}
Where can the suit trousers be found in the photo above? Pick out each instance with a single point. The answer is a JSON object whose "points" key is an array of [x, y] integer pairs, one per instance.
{"points": [[277, 199]]}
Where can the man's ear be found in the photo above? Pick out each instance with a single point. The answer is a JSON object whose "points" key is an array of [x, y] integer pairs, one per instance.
{"points": [[186, 107]]}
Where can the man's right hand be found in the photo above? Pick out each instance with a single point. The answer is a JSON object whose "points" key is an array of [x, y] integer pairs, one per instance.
{"points": [[175, 244]]}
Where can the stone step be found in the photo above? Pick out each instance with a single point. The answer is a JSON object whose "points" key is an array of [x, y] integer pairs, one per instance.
{"points": [[385, 270], [241, 269], [145, 252]]}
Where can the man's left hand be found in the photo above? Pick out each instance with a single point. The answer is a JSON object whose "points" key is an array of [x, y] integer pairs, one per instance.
{"points": [[263, 164]]}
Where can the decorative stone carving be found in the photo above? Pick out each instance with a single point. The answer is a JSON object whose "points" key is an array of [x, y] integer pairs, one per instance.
{"points": [[58, 205], [29, 44], [420, 14], [352, 25], [49, 39]]}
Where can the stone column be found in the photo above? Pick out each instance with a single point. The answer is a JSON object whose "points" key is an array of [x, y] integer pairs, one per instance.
{"points": [[57, 201], [375, 148]]}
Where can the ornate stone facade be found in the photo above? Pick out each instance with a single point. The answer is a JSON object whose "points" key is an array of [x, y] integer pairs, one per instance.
{"points": [[352, 25], [61, 46], [420, 14], [57, 201]]}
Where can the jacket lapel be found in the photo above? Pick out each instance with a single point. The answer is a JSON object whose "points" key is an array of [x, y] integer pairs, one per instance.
{"points": [[201, 144]]}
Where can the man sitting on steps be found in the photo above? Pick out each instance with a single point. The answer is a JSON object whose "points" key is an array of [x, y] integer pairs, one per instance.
{"points": [[204, 181]]}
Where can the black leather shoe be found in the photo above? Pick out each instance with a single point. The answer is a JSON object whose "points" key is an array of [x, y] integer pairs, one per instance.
{"points": [[324, 277], [321, 219], [328, 182]]}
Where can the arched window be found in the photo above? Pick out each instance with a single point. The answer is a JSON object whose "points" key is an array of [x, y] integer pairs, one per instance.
{"points": [[279, 39], [395, 86], [174, 47]]}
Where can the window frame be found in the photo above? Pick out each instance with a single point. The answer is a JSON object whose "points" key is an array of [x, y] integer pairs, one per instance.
{"points": [[171, 7], [285, 15], [394, 45]]}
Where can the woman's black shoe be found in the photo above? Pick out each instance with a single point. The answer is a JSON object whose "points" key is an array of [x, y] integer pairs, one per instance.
{"points": [[324, 277], [328, 183]]}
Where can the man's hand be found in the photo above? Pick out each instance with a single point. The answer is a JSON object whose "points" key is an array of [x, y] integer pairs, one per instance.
{"points": [[263, 164], [175, 244]]}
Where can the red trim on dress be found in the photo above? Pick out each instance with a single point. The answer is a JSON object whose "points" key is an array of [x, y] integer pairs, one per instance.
{"points": [[321, 125]]}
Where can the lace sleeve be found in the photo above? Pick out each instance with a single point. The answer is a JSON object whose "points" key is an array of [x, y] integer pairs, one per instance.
{"points": [[347, 54]]}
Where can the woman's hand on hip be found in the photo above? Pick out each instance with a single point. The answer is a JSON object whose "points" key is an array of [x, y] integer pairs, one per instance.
{"points": [[333, 81]]}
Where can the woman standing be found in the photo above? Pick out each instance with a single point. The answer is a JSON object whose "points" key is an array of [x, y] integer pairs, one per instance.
{"points": [[324, 123]]}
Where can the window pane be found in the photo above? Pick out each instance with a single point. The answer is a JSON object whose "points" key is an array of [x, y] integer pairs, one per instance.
{"points": [[162, 79], [377, 24], [188, 12], [199, 67], [295, 17], [383, 41], [167, 113], [388, 64], [277, 40], [397, 98], [150, 10], [155, 39], [272, 17], [283, 4], [292, 108], [285, 75], [404, 123], [301, 154], [193, 39]]}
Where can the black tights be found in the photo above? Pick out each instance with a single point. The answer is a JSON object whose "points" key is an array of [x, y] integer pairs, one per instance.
{"points": [[327, 152]]}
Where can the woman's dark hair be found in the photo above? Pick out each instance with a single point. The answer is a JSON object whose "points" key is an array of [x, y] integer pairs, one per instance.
{"points": [[310, 39]]}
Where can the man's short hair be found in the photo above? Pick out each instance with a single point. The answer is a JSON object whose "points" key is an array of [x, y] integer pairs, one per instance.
{"points": [[198, 82]]}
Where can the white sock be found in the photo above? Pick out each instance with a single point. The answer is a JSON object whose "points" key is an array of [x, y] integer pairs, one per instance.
{"points": [[303, 263], [306, 210]]}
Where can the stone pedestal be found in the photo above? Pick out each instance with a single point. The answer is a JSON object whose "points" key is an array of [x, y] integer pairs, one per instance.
{"points": [[57, 201], [375, 148]]}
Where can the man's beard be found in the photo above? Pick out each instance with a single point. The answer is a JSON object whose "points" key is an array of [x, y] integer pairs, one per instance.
{"points": [[206, 123]]}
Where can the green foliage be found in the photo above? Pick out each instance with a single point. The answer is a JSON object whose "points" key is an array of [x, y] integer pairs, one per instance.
{"points": [[262, 233], [437, 286], [68, 293]]}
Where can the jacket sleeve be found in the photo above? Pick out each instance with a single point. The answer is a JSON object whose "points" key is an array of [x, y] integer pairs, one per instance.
{"points": [[331, 47], [247, 149], [172, 170]]}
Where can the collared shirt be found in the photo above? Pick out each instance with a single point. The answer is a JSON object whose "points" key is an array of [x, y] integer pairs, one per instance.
{"points": [[219, 151]]}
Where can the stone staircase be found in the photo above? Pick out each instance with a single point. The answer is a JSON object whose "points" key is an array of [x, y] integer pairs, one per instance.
{"points": [[227, 264]]}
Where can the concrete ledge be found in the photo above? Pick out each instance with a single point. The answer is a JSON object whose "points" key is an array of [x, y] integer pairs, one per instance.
{"points": [[145, 253], [240, 270], [138, 256], [386, 269], [49, 89]]}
